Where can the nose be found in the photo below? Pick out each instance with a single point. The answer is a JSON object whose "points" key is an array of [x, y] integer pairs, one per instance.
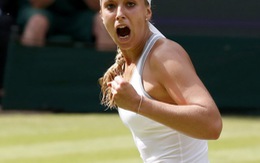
{"points": [[120, 14]]}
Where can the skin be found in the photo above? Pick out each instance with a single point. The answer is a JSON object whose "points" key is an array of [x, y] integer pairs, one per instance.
{"points": [[180, 99]]}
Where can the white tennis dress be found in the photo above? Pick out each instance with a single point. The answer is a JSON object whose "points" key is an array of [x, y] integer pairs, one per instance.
{"points": [[156, 142]]}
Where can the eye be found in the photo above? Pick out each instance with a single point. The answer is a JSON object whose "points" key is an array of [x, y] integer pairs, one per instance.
{"points": [[130, 4], [110, 6]]}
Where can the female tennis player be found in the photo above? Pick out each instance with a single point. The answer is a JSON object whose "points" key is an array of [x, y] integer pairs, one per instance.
{"points": [[156, 89]]}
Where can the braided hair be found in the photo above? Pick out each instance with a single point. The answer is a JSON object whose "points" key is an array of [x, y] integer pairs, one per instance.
{"points": [[116, 69]]}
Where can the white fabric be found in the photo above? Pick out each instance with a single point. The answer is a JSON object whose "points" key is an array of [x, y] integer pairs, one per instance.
{"points": [[152, 27], [155, 30], [156, 142]]}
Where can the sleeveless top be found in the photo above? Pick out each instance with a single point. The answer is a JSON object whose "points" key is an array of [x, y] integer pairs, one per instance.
{"points": [[156, 142]]}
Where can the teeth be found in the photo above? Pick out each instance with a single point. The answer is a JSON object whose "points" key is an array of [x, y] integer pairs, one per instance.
{"points": [[121, 27], [124, 36]]}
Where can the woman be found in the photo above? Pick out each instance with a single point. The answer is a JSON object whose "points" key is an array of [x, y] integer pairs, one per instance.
{"points": [[156, 89]]}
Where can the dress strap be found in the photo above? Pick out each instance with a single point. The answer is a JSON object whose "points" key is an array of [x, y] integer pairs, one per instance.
{"points": [[148, 46]]}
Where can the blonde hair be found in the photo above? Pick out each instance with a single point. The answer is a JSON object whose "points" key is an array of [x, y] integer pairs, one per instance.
{"points": [[116, 69]]}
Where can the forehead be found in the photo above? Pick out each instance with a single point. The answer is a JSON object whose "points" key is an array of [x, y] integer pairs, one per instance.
{"points": [[149, 1]]}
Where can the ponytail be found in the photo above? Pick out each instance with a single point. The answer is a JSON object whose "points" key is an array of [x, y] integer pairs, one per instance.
{"points": [[116, 69]]}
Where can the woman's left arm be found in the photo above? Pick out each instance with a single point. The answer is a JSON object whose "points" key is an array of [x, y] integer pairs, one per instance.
{"points": [[195, 113]]}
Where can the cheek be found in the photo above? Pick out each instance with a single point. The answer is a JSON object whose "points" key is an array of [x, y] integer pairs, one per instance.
{"points": [[108, 23]]}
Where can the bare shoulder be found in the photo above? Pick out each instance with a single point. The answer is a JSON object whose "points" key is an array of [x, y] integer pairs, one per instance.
{"points": [[172, 69], [169, 53]]}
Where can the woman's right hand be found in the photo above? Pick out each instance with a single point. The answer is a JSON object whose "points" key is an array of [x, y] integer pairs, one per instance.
{"points": [[124, 94]]}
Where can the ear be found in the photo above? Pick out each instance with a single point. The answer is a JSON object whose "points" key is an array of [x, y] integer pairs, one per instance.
{"points": [[100, 15], [148, 13]]}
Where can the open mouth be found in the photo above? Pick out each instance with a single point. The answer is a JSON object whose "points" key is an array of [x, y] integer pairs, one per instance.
{"points": [[123, 31]]}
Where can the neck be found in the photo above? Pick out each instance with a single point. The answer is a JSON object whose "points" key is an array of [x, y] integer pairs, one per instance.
{"points": [[132, 55]]}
